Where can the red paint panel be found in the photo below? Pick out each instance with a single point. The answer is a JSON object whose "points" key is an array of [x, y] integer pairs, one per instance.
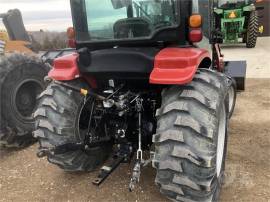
{"points": [[177, 65], [65, 68], [72, 43]]}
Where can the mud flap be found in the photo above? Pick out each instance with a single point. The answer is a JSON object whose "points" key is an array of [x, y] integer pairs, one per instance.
{"points": [[237, 70]]}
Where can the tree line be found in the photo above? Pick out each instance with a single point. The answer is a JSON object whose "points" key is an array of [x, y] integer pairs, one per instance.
{"points": [[42, 41]]}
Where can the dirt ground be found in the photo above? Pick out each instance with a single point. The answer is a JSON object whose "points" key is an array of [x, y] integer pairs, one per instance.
{"points": [[24, 177], [257, 58]]}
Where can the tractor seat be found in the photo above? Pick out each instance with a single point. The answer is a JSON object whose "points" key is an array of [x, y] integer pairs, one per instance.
{"points": [[132, 28]]}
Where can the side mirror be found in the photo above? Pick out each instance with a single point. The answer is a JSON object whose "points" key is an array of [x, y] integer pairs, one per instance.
{"points": [[117, 4]]}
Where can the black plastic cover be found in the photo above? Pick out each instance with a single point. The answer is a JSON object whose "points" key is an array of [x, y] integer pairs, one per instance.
{"points": [[120, 61]]}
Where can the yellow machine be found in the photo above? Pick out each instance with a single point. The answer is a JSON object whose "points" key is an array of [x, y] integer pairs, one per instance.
{"points": [[15, 37], [21, 80], [22, 75], [3, 39], [4, 35]]}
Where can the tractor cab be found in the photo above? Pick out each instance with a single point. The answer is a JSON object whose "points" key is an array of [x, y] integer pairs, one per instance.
{"points": [[134, 34], [132, 22]]}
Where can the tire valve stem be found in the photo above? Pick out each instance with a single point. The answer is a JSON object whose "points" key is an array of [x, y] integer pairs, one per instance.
{"points": [[139, 160]]}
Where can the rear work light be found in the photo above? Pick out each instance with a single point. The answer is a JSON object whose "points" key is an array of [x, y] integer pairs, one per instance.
{"points": [[195, 28]]}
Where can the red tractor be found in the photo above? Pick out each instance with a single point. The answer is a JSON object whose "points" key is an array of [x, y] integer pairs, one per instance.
{"points": [[139, 82]]}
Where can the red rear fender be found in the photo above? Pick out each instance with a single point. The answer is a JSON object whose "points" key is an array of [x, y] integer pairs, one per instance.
{"points": [[65, 68], [177, 65], [171, 66]]}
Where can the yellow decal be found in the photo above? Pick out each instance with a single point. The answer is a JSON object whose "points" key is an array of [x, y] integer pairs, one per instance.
{"points": [[261, 29]]}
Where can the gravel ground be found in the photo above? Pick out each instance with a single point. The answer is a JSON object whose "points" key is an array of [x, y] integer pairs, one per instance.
{"points": [[24, 177]]}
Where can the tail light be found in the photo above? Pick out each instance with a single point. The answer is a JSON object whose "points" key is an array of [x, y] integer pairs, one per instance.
{"points": [[195, 28], [71, 37], [195, 35]]}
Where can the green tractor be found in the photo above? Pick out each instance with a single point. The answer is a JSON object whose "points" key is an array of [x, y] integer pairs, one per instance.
{"points": [[238, 19]]}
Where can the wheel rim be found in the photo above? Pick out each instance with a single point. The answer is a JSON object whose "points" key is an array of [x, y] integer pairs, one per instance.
{"points": [[231, 98], [25, 99], [221, 140]]}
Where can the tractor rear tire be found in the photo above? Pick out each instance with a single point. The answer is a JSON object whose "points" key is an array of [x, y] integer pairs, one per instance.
{"points": [[21, 81], [191, 139], [252, 30], [232, 95], [57, 124]]}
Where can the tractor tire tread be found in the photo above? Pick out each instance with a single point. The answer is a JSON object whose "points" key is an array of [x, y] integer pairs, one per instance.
{"points": [[185, 154], [15, 136], [56, 129]]}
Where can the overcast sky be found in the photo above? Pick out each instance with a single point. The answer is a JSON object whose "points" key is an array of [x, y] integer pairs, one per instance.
{"points": [[52, 15]]}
